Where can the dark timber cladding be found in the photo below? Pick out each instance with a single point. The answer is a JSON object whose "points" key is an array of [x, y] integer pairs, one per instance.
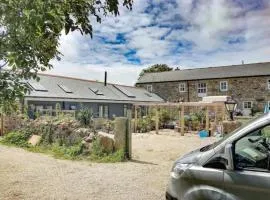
{"points": [[248, 84]]}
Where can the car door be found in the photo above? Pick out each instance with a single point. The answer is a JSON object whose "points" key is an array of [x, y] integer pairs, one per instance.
{"points": [[250, 179], [207, 182]]}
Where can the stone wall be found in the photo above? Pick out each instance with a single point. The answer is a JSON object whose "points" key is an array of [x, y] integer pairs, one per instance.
{"points": [[253, 89], [11, 122]]}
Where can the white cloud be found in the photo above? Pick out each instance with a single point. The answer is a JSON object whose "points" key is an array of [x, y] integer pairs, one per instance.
{"points": [[189, 33]]}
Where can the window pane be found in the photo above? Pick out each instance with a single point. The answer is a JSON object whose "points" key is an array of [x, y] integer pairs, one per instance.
{"points": [[100, 111], [125, 110], [182, 87], [106, 111], [252, 151]]}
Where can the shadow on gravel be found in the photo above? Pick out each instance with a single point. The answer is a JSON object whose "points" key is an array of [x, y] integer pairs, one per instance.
{"points": [[143, 162]]}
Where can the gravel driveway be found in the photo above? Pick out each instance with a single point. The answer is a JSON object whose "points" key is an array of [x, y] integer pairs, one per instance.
{"points": [[26, 175]]}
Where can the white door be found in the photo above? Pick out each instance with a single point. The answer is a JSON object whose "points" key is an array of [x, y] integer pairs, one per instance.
{"points": [[247, 105]]}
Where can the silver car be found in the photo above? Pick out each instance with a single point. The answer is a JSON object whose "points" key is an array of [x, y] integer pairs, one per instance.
{"points": [[236, 167]]}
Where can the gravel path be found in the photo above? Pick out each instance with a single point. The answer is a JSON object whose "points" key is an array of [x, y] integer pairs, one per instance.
{"points": [[26, 175]]}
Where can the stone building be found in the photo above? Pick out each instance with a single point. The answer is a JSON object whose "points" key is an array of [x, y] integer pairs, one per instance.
{"points": [[248, 84]]}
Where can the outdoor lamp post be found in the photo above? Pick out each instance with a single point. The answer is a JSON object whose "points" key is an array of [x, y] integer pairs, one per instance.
{"points": [[230, 107]]}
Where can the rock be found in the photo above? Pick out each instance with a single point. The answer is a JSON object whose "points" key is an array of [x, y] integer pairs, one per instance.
{"points": [[34, 140], [87, 147], [83, 132], [107, 141], [89, 138]]}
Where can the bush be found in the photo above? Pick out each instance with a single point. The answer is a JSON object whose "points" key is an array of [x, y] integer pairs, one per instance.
{"points": [[99, 154], [16, 138], [71, 152], [145, 124], [85, 116]]}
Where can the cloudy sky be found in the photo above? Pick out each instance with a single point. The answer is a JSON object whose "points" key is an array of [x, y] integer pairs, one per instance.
{"points": [[180, 33]]}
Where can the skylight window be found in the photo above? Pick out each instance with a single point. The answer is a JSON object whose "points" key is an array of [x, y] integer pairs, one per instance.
{"points": [[96, 91], [124, 91], [65, 88], [37, 87], [148, 94]]}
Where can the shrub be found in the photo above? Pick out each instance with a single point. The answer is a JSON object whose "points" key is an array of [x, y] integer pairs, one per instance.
{"points": [[99, 154], [145, 124], [17, 138], [84, 116], [71, 152], [97, 148]]}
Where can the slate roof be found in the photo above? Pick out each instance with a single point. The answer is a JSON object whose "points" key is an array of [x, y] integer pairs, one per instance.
{"points": [[245, 70], [84, 90]]}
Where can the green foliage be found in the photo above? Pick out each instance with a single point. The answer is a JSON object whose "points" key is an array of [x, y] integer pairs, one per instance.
{"points": [[108, 126], [200, 115], [99, 154], [85, 116], [59, 138], [117, 156], [71, 152], [145, 124], [156, 68], [16, 138], [30, 32]]}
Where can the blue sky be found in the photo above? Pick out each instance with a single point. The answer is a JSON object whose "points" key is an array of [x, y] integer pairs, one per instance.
{"points": [[180, 33]]}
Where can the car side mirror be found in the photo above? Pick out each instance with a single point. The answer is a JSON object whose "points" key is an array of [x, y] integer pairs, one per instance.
{"points": [[229, 156]]}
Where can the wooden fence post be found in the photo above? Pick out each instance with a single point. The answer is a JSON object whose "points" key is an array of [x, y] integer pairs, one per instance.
{"points": [[207, 118], [136, 119], [216, 114], [157, 120], [182, 120]]}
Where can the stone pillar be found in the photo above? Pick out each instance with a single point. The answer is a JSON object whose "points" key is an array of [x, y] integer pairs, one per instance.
{"points": [[122, 135]]}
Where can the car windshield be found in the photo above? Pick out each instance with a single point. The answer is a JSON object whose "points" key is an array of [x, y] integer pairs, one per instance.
{"points": [[233, 132]]}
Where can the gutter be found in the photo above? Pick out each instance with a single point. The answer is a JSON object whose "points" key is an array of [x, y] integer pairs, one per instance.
{"points": [[85, 100]]}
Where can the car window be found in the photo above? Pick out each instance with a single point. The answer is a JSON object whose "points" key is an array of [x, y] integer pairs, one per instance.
{"points": [[252, 151]]}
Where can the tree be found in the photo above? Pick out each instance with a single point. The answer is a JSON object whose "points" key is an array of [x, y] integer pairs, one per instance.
{"points": [[30, 32], [156, 68]]}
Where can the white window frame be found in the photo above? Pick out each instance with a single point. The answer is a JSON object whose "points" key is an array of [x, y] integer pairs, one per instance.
{"points": [[125, 108], [247, 102], [201, 88], [103, 111], [182, 87], [149, 88], [221, 84], [39, 108], [268, 84]]}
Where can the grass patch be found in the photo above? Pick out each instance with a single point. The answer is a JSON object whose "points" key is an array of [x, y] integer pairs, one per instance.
{"points": [[99, 154], [117, 156], [60, 152], [74, 152]]}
